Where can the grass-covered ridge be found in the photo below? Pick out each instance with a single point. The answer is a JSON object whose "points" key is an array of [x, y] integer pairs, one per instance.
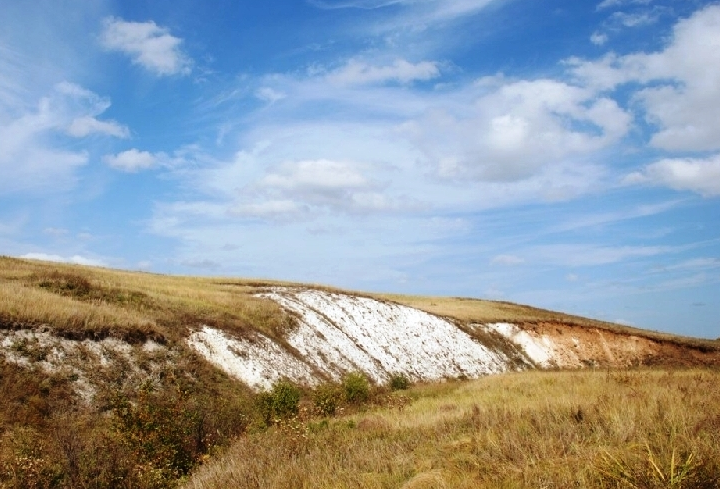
{"points": [[79, 301], [95, 302]]}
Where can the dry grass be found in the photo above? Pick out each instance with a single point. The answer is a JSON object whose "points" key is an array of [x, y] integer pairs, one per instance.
{"points": [[644, 429], [135, 305], [95, 302]]}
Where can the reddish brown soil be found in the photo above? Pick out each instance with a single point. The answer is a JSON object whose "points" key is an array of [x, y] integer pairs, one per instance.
{"points": [[579, 346]]}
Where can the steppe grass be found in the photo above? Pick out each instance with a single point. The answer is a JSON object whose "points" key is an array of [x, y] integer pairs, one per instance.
{"points": [[629, 429], [79, 301], [96, 302]]}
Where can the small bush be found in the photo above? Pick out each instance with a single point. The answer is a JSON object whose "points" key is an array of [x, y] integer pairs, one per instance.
{"points": [[326, 398], [281, 402], [399, 382], [356, 388]]}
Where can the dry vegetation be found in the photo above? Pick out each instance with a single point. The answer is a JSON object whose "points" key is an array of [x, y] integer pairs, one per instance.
{"points": [[152, 428], [631, 429], [80, 302]]}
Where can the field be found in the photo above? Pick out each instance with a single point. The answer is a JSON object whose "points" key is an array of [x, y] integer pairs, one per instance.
{"points": [[632, 429], [148, 412]]}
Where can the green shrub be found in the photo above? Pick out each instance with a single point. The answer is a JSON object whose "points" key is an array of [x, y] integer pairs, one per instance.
{"points": [[326, 398], [399, 382], [356, 388], [281, 402]]}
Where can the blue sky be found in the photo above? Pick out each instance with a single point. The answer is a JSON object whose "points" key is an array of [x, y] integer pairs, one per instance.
{"points": [[560, 154]]}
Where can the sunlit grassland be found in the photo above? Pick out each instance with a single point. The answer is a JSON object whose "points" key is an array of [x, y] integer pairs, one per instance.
{"points": [[96, 302], [645, 429], [90, 301]]}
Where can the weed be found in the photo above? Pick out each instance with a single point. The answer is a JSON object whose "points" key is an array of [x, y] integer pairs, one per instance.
{"points": [[281, 402], [399, 382], [356, 388], [326, 399]]}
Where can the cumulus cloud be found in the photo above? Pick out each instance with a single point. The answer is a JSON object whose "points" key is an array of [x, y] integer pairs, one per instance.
{"points": [[694, 174], [400, 71], [131, 160], [76, 259], [299, 186], [682, 92], [513, 129], [147, 44]]}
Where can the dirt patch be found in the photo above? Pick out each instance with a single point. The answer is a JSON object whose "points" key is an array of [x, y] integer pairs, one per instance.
{"points": [[578, 346]]}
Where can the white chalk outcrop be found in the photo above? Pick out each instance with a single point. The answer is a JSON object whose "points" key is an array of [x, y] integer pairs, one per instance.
{"points": [[539, 349], [339, 333], [257, 361], [82, 360]]}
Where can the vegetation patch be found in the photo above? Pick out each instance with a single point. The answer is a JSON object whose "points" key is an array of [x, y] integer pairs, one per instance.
{"points": [[641, 428]]}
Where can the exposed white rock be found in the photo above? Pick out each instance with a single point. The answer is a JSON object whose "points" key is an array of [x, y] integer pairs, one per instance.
{"points": [[540, 349], [339, 332], [258, 361], [79, 359]]}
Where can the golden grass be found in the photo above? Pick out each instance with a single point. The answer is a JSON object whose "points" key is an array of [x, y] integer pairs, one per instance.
{"points": [[645, 429], [131, 305], [136, 305]]}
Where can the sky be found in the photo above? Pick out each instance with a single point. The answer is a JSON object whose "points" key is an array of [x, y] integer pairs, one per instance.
{"points": [[560, 154]]}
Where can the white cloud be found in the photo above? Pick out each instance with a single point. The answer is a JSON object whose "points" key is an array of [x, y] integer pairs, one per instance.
{"points": [[635, 19], [511, 130], [86, 125], [598, 38], [316, 176], [692, 264], [696, 175], [299, 186], [267, 94], [414, 13], [147, 44], [76, 259], [358, 71], [683, 95], [270, 209], [131, 160], [605, 4], [32, 156], [507, 260]]}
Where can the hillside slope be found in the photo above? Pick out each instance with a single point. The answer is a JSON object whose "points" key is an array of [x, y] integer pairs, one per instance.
{"points": [[51, 315], [121, 379]]}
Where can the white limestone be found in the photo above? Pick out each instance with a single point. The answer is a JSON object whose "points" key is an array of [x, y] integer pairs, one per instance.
{"points": [[539, 349], [258, 362]]}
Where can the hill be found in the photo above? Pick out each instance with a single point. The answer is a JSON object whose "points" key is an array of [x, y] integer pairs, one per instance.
{"points": [[112, 376]]}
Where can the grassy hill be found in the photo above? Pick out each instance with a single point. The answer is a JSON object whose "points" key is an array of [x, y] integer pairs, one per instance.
{"points": [[98, 388]]}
